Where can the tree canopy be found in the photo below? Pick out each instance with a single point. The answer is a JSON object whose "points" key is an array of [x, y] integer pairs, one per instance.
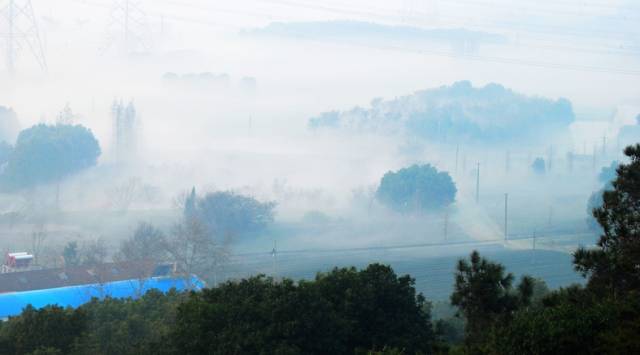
{"points": [[48, 153], [416, 188], [485, 294], [459, 112], [614, 266], [344, 311], [226, 213], [538, 166]]}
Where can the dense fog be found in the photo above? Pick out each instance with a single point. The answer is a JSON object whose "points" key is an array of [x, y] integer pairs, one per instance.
{"points": [[304, 107]]}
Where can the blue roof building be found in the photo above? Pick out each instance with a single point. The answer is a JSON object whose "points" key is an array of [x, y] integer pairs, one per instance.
{"points": [[12, 302]]}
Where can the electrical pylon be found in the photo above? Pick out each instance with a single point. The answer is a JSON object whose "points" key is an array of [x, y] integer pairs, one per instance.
{"points": [[19, 29], [128, 29]]}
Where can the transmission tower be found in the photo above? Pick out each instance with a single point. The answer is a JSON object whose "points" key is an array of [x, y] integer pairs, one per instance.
{"points": [[19, 29], [128, 29]]}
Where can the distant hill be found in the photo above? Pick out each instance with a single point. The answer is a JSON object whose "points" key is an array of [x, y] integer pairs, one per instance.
{"points": [[459, 112]]}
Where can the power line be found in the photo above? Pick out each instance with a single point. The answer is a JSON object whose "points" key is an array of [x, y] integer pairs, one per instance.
{"points": [[128, 28], [19, 28]]}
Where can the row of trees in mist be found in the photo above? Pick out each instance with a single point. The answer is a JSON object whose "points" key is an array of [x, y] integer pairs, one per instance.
{"points": [[460, 112], [373, 310]]}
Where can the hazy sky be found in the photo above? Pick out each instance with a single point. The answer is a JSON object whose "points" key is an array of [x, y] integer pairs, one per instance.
{"points": [[587, 51]]}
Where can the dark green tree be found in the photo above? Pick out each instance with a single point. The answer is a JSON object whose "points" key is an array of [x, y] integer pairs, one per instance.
{"points": [[227, 213], [416, 188], [52, 327], [340, 312], [382, 308], [485, 295], [45, 154], [614, 265], [71, 254]]}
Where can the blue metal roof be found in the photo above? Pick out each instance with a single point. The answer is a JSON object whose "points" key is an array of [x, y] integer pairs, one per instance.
{"points": [[11, 304]]}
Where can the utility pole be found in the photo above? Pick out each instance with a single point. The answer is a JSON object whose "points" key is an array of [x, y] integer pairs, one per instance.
{"points": [[457, 150], [570, 161], [506, 204], [19, 28], [464, 165], [478, 184], [604, 146]]}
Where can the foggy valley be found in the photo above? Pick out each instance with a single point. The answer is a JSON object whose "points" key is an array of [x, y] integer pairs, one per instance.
{"points": [[189, 145]]}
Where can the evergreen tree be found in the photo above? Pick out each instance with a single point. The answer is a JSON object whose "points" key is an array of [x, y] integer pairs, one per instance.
{"points": [[485, 294], [614, 266]]}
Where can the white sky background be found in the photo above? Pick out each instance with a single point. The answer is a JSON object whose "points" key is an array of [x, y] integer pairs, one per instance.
{"points": [[569, 48]]}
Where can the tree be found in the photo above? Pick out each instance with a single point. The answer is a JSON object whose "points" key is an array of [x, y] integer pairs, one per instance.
{"points": [[538, 166], [569, 326], [614, 265], [66, 116], [194, 250], [226, 213], [416, 188], [146, 243], [484, 294], [45, 154], [38, 237], [5, 152], [340, 312], [71, 254], [608, 174], [94, 252], [37, 329], [190, 204], [605, 177], [382, 308]]}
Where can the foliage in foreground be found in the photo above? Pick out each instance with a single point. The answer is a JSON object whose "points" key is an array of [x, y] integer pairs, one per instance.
{"points": [[344, 311]]}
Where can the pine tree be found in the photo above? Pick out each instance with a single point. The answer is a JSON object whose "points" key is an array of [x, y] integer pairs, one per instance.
{"points": [[614, 266]]}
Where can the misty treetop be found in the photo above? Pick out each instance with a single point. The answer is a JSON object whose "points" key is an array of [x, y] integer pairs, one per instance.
{"points": [[416, 188], [460, 112], [538, 166], [226, 213], [48, 153]]}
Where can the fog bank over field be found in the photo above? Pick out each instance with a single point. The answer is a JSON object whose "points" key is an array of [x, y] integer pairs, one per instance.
{"points": [[308, 105]]}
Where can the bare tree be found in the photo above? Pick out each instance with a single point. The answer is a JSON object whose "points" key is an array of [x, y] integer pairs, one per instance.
{"points": [[124, 194], [38, 237], [94, 252], [146, 243], [194, 250]]}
